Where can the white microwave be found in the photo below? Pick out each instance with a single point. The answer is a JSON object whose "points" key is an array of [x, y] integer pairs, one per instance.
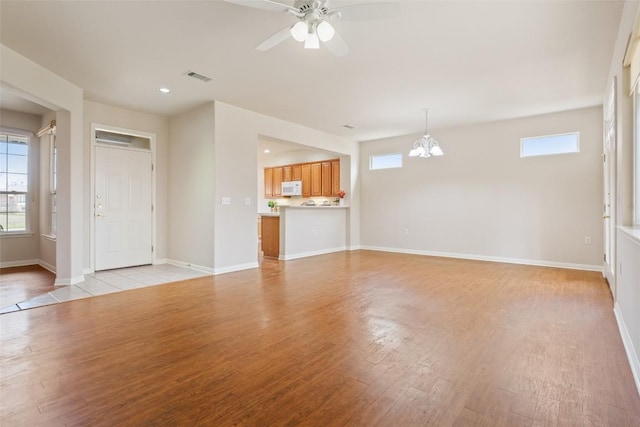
{"points": [[292, 188]]}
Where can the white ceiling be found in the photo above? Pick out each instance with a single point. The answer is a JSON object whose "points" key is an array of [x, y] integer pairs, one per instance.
{"points": [[468, 62]]}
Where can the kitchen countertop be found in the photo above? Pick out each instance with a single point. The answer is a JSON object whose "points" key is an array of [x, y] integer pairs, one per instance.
{"points": [[269, 213], [315, 207]]}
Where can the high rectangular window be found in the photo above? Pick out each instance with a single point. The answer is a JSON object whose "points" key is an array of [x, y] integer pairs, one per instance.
{"points": [[385, 161], [550, 144], [14, 182]]}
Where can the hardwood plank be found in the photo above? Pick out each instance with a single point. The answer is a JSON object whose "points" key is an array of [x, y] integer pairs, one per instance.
{"points": [[352, 338]]}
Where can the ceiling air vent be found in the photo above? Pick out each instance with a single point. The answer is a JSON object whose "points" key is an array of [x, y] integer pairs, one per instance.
{"points": [[198, 76]]}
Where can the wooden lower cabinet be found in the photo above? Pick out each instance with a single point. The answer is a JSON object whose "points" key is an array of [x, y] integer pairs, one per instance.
{"points": [[271, 236]]}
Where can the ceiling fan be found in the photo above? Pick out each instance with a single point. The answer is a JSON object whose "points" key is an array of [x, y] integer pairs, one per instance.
{"points": [[313, 24]]}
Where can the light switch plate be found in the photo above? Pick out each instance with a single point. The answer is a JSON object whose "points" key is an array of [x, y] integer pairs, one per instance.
{"points": [[225, 200], [247, 201]]}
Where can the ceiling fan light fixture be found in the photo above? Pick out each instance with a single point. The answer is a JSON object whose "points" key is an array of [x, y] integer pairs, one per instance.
{"points": [[299, 31], [325, 31], [312, 41]]}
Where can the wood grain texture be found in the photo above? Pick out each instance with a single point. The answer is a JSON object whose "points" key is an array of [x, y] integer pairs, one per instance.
{"points": [[19, 284], [361, 338]]}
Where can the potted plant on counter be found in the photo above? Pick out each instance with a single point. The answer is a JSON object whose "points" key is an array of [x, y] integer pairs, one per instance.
{"points": [[341, 195], [273, 205]]}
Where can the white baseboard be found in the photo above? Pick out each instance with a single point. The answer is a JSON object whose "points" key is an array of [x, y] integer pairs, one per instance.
{"points": [[233, 268], [185, 264], [628, 346], [312, 253], [71, 281], [47, 266], [21, 263], [539, 263]]}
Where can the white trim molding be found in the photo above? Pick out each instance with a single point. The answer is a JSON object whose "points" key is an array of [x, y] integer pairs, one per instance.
{"points": [[234, 268], [634, 362], [21, 263], [312, 253], [534, 262], [185, 264], [67, 282]]}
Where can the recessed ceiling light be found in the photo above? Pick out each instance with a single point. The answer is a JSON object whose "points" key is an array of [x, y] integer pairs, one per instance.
{"points": [[164, 90], [267, 151]]}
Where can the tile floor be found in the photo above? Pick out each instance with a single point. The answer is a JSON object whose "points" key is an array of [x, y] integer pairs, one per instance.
{"points": [[106, 282]]}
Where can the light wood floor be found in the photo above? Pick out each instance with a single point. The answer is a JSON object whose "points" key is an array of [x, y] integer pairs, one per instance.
{"points": [[360, 338], [18, 284]]}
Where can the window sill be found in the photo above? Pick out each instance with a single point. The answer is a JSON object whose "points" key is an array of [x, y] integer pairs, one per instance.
{"points": [[10, 235], [50, 237]]}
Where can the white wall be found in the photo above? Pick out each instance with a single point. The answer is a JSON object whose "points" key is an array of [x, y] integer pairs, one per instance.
{"points": [[25, 78], [481, 200], [311, 231], [95, 112], [24, 250], [627, 279], [191, 187]]}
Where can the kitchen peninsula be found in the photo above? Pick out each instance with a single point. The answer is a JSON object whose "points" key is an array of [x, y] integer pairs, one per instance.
{"points": [[306, 231]]}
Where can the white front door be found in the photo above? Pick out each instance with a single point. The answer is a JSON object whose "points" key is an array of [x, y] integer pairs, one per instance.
{"points": [[608, 208], [123, 208]]}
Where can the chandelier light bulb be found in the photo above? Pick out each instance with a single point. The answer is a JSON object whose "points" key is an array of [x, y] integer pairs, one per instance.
{"points": [[299, 31], [325, 31], [312, 41]]}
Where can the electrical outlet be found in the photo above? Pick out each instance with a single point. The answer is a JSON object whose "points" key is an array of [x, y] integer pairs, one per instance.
{"points": [[587, 240], [247, 201]]}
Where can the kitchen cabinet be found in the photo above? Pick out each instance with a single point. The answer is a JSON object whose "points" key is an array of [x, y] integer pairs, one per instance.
{"points": [[319, 179], [277, 181], [268, 182], [327, 188], [316, 179], [305, 176], [271, 236], [296, 173], [335, 177]]}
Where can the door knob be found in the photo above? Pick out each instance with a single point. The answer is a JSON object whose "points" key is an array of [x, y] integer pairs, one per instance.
{"points": [[605, 216], [99, 215]]}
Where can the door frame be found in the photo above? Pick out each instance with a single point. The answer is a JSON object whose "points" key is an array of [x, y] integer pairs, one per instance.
{"points": [[94, 143], [609, 207]]}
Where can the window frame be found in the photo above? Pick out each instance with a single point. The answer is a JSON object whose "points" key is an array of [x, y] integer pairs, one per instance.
{"points": [[372, 156], [533, 138], [27, 194]]}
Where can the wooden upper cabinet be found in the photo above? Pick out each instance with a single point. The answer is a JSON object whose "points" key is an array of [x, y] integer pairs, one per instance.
{"points": [[319, 179], [335, 177], [305, 176], [268, 182], [316, 179], [277, 181], [327, 188], [296, 173], [286, 174]]}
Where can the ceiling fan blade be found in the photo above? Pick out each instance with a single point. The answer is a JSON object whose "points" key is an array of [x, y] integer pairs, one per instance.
{"points": [[369, 11], [337, 46], [270, 5], [275, 39]]}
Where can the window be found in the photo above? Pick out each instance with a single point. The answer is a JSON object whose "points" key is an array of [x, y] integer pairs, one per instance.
{"points": [[53, 183], [550, 144], [385, 161], [14, 182]]}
